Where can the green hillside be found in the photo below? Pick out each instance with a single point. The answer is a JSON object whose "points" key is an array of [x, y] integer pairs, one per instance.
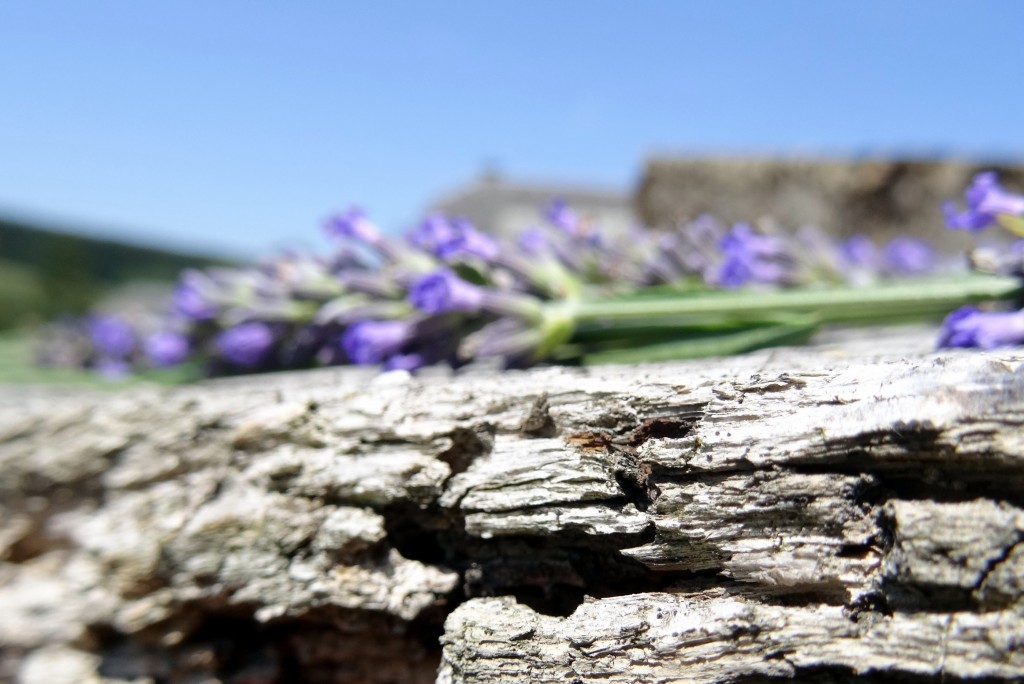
{"points": [[44, 273]]}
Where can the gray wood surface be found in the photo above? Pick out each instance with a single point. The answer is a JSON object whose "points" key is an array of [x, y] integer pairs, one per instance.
{"points": [[851, 512]]}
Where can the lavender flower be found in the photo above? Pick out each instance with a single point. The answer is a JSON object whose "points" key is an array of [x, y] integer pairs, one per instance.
{"points": [[468, 242], [246, 345], [857, 260], [562, 216], [859, 251], [369, 342], [353, 224], [449, 239], [909, 256], [432, 234], [533, 241], [751, 258], [166, 348], [189, 300], [986, 199], [112, 336], [970, 327], [444, 291]]}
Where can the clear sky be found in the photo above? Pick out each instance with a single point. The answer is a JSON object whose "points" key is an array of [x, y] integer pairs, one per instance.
{"points": [[237, 125]]}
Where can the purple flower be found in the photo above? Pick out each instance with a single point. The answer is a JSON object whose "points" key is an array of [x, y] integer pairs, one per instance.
{"points": [[909, 256], [563, 216], [468, 242], [751, 257], [189, 301], [859, 251], [112, 336], [432, 234], [245, 345], [969, 327], [533, 241], [452, 238], [986, 199], [369, 342], [166, 348], [443, 291], [354, 225], [733, 273]]}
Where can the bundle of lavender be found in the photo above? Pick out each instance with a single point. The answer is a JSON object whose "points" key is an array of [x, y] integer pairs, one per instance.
{"points": [[562, 292]]}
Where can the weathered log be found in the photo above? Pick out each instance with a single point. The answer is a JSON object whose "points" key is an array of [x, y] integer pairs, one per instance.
{"points": [[832, 514]]}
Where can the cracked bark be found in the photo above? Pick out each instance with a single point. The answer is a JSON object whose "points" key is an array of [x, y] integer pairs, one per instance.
{"points": [[826, 514]]}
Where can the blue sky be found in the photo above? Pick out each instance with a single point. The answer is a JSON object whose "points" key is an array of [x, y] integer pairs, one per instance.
{"points": [[237, 126]]}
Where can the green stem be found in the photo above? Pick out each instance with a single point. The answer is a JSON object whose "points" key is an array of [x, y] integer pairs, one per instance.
{"points": [[829, 305], [718, 345]]}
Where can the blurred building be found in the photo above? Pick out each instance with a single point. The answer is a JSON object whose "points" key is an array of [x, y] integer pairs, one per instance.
{"points": [[875, 196], [879, 197], [506, 208]]}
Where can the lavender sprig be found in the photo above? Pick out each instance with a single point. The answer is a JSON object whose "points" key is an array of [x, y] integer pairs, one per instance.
{"points": [[450, 293], [987, 203]]}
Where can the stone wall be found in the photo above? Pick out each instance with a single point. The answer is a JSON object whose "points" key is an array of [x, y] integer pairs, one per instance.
{"points": [[874, 196]]}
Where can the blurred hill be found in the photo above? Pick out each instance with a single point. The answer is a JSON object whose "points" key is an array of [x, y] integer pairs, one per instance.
{"points": [[45, 273]]}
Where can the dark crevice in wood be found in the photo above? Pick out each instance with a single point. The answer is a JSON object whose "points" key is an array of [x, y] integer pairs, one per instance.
{"points": [[943, 479], [468, 444], [330, 645], [422, 534], [203, 639], [855, 550], [551, 574], [924, 598], [634, 427], [226, 643], [633, 477], [661, 428]]}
